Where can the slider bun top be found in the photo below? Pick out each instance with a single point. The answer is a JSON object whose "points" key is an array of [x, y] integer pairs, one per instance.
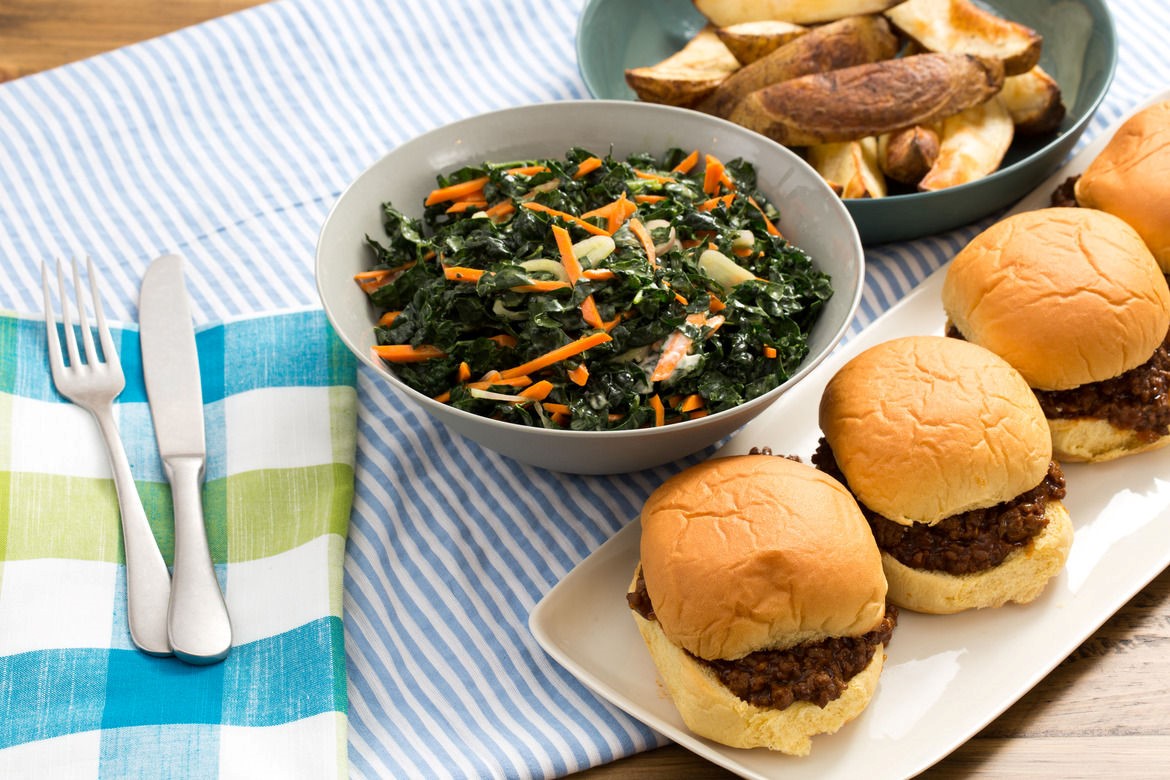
{"points": [[758, 552], [1066, 295], [925, 427], [1131, 178]]}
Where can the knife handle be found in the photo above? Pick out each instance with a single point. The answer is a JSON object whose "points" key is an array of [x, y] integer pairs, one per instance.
{"points": [[198, 625]]}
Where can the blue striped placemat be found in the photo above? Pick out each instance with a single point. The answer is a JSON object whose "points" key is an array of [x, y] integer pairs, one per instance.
{"points": [[228, 142]]}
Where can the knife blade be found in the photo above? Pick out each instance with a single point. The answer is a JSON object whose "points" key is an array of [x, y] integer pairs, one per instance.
{"points": [[198, 624]]}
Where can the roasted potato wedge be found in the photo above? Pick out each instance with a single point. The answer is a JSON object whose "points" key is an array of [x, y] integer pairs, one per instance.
{"points": [[841, 44], [724, 13], [687, 76], [751, 41], [907, 155], [1034, 101], [849, 167], [961, 27], [972, 145], [880, 97]]}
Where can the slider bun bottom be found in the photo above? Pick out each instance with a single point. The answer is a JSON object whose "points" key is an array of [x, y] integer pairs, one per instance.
{"points": [[1084, 439], [1021, 577], [711, 710]]}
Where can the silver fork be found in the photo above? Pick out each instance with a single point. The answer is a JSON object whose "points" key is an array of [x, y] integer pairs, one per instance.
{"points": [[93, 381]]}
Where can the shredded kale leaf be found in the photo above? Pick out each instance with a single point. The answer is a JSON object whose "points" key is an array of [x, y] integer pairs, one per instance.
{"points": [[479, 286]]}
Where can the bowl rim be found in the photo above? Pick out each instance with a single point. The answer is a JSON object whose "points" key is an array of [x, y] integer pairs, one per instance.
{"points": [[440, 410]]}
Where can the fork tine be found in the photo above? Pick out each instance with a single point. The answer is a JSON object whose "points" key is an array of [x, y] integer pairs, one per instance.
{"points": [[109, 354], [67, 319], [55, 361], [91, 355]]}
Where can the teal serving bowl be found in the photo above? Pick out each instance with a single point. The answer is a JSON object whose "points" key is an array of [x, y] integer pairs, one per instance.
{"points": [[1080, 52]]}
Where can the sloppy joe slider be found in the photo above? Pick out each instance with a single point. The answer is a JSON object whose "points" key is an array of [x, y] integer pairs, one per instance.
{"points": [[1130, 178], [949, 456], [761, 598], [1073, 299]]}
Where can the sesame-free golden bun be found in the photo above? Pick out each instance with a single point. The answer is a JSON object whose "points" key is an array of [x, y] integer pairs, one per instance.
{"points": [[1067, 296], [1130, 178], [925, 427], [758, 552], [711, 710], [748, 553], [1019, 579]]}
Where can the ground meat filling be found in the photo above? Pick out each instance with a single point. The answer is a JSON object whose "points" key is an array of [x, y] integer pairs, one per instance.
{"points": [[964, 543], [1138, 400], [1065, 196], [816, 672]]}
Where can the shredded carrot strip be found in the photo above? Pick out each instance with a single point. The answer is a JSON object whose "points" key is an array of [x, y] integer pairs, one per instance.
{"points": [[562, 418], [770, 352], [712, 176], [504, 340], [649, 198], [644, 238], [654, 177], [527, 170], [691, 403], [707, 205], [556, 355], [459, 206], [500, 210], [687, 163], [679, 297], [586, 226], [405, 353], [579, 375], [455, 191], [608, 326], [698, 413], [464, 372], [372, 280], [623, 209], [590, 314], [568, 259], [552, 408], [388, 318], [485, 384], [675, 348], [587, 166], [599, 274], [715, 305], [538, 391], [443, 397], [772, 230], [659, 411], [458, 273]]}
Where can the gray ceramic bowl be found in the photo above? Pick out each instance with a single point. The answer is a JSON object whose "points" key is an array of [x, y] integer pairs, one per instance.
{"points": [[1080, 51], [811, 216]]}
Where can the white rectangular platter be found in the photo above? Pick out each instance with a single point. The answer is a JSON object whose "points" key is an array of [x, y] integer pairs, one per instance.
{"points": [[946, 676]]}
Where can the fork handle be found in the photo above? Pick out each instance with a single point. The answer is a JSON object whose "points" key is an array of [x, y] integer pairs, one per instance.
{"points": [[198, 625], [148, 584]]}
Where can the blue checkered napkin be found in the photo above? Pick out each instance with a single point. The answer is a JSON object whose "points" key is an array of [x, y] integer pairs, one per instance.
{"points": [[78, 699]]}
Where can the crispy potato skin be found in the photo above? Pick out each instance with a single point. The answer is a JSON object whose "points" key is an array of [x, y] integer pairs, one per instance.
{"points": [[907, 155], [688, 75], [753, 41], [870, 99], [852, 41], [961, 27]]}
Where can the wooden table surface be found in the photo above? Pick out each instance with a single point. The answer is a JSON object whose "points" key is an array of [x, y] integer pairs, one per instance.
{"points": [[1104, 712]]}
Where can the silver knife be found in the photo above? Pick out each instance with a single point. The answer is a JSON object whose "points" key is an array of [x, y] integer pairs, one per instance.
{"points": [[198, 625]]}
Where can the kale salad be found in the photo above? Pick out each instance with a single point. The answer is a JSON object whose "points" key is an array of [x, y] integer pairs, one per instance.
{"points": [[593, 293]]}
